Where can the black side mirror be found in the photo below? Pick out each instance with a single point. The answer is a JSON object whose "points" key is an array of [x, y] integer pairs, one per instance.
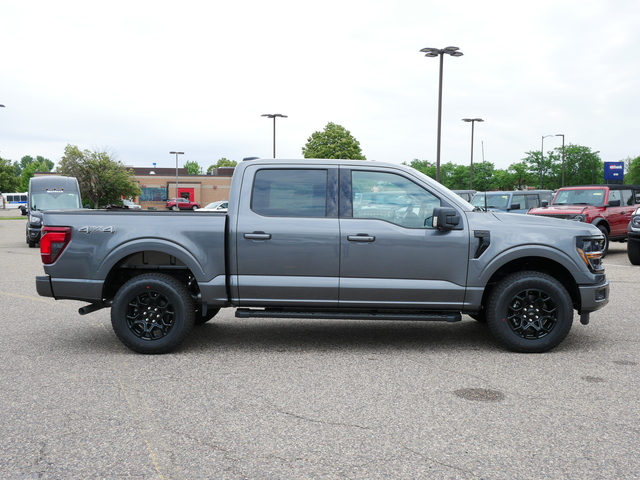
{"points": [[544, 203], [445, 218], [515, 206], [614, 203]]}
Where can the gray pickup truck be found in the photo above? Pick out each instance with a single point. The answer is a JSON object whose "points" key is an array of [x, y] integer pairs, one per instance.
{"points": [[325, 239]]}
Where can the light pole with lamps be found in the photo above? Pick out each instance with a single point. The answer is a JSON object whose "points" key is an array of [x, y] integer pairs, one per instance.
{"points": [[472, 121], [562, 135], [435, 52], [176, 154], [274, 115], [542, 157]]}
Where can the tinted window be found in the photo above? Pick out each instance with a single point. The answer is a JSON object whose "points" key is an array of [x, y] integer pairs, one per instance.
{"points": [[290, 193], [391, 197]]}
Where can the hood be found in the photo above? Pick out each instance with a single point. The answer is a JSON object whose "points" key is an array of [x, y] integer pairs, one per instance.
{"points": [[531, 223], [560, 209]]}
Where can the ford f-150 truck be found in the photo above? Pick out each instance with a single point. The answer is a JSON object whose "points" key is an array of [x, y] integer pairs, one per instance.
{"points": [[325, 239]]}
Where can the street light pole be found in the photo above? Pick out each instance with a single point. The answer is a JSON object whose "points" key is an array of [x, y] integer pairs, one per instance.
{"points": [[562, 135], [176, 154], [435, 52], [542, 157], [473, 121], [274, 115]]}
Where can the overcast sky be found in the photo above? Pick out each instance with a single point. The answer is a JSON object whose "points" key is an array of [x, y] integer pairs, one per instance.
{"points": [[143, 78]]}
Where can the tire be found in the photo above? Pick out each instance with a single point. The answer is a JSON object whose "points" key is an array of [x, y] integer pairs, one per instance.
{"points": [[31, 243], [152, 313], [194, 208], [175, 208], [605, 249], [530, 312], [633, 252], [201, 319]]}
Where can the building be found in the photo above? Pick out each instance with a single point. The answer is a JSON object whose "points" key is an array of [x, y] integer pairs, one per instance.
{"points": [[159, 184]]}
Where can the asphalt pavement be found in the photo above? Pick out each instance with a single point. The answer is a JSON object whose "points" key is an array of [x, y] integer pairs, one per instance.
{"points": [[303, 399]]}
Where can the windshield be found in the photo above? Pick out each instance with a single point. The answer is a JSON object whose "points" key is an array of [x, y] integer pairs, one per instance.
{"points": [[580, 197], [54, 200]]}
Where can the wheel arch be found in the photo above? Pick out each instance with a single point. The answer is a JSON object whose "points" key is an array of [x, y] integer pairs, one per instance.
{"points": [[130, 260], [535, 264]]}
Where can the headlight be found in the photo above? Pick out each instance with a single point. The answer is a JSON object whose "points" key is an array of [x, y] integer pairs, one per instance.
{"points": [[635, 221], [35, 220], [579, 218], [590, 250]]}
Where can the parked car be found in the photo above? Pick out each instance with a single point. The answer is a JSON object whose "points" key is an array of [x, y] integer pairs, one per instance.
{"points": [[181, 204], [220, 206], [126, 205], [608, 207], [633, 245], [517, 201]]}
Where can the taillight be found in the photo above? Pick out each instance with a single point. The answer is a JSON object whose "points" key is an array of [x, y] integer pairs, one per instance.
{"points": [[53, 242]]}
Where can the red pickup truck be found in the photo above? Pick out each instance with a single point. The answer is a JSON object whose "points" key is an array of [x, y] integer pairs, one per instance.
{"points": [[608, 207]]}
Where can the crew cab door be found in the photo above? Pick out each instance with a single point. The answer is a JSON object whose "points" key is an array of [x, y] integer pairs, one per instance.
{"points": [[619, 216], [390, 254], [286, 238]]}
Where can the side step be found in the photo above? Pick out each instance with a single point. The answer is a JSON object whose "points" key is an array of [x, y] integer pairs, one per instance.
{"points": [[346, 315]]}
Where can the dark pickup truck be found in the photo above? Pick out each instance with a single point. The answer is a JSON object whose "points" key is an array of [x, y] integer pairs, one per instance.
{"points": [[334, 239]]}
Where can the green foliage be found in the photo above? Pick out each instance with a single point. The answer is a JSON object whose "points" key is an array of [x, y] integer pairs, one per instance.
{"points": [[44, 164], [333, 142], [102, 179], [633, 175], [9, 181], [223, 162], [193, 168]]}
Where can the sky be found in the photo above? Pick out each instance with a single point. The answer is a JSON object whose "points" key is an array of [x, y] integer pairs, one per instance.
{"points": [[142, 78]]}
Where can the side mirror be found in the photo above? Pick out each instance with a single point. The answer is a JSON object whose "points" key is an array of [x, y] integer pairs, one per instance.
{"points": [[544, 203], [515, 206], [614, 203], [445, 218]]}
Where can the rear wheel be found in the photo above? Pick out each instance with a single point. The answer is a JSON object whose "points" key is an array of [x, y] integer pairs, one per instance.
{"points": [[530, 312], [175, 208], [152, 313]]}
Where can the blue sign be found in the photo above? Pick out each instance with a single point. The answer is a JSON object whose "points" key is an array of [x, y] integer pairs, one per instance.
{"points": [[614, 171]]}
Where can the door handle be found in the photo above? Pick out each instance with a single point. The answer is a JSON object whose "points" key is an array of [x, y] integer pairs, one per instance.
{"points": [[257, 236], [362, 238]]}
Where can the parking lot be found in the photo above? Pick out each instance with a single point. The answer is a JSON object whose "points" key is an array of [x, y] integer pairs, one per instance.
{"points": [[302, 399]]}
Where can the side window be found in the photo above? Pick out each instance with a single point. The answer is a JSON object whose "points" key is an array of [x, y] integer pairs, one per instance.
{"points": [[615, 195], [391, 197], [533, 201], [627, 197], [290, 193], [518, 199]]}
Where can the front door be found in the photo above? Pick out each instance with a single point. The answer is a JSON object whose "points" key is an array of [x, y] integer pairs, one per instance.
{"points": [[390, 254]]}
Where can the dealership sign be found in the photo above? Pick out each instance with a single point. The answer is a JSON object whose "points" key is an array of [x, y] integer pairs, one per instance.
{"points": [[614, 171]]}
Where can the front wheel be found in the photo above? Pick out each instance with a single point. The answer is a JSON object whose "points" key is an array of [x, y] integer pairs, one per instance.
{"points": [[604, 232], [530, 312], [633, 252], [152, 313]]}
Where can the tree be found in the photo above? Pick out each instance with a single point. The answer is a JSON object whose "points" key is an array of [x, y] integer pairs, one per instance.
{"points": [[9, 182], [102, 179], [633, 175], [223, 162], [193, 168], [45, 165], [333, 142]]}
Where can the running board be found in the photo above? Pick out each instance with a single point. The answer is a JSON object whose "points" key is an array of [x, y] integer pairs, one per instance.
{"points": [[342, 315]]}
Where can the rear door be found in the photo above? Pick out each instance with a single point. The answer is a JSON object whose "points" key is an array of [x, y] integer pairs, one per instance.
{"points": [[390, 254], [287, 237]]}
